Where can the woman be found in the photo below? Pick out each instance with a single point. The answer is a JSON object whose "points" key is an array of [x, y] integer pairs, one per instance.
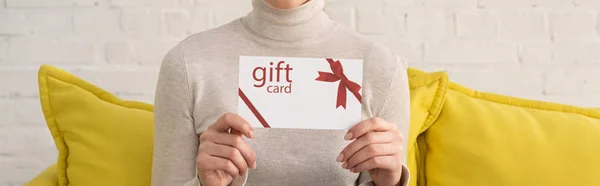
{"points": [[197, 92]]}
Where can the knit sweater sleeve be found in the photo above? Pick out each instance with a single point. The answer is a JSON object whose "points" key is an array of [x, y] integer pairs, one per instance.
{"points": [[175, 140], [395, 106], [396, 109]]}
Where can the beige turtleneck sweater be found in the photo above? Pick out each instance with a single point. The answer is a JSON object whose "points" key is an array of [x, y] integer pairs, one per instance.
{"points": [[198, 83]]}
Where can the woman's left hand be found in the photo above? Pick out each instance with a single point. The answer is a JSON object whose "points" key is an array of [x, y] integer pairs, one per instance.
{"points": [[377, 148]]}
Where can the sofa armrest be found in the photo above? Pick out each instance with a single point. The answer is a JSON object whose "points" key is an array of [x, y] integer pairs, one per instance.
{"points": [[47, 177]]}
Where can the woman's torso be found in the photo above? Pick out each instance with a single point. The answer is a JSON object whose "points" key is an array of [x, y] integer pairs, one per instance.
{"points": [[284, 156]]}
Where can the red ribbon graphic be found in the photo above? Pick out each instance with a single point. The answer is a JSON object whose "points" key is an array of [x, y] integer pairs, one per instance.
{"points": [[338, 75], [253, 109]]}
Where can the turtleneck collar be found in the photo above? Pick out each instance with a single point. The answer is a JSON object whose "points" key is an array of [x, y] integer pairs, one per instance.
{"points": [[288, 25]]}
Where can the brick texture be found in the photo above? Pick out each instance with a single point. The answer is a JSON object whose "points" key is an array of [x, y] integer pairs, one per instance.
{"points": [[38, 50], [463, 51], [538, 49], [3, 50], [521, 26], [97, 23], [580, 23], [476, 24]]}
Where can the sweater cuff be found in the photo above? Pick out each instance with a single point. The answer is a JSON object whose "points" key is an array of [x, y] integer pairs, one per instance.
{"points": [[403, 180], [240, 181], [405, 177]]}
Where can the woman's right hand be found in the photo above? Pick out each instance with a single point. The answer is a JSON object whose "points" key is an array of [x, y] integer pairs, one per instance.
{"points": [[223, 154]]}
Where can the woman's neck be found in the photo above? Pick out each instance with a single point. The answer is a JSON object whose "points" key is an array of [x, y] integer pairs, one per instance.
{"points": [[285, 4], [302, 22]]}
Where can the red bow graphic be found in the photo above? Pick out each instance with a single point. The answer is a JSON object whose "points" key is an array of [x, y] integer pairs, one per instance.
{"points": [[338, 75]]}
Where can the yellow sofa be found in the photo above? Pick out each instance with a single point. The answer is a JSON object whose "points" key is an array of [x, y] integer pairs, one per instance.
{"points": [[458, 136]]}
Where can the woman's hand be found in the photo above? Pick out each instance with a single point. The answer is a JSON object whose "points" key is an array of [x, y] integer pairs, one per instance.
{"points": [[223, 154], [377, 148]]}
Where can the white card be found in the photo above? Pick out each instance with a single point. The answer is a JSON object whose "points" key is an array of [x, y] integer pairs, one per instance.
{"points": [[300, 93]]}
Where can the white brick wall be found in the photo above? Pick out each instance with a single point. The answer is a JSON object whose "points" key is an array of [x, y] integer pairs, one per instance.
{"points": [[539, 49]]}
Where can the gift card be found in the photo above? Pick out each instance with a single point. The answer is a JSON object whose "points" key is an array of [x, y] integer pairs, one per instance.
{"points": [[300, 93]]}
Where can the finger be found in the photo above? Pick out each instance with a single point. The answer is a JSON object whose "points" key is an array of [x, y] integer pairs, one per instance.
{"points": [[370, 151], [235, 141], [233, 121], [226, 152], [214, 163], [379, 162], [374, 124], [369, 138], [236, 132]]}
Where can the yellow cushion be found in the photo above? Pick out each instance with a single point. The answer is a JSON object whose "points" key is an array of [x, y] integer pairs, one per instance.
{"points": [[487, 139], [426, 94], [102, 140]]}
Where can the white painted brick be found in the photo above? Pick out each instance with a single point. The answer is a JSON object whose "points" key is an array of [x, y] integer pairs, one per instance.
{"points": [[38, 138], [451, 3], [12, 183], [561, 53], [579, 23], [184, 23], [573, 81], [97, 23], [366, 5], [37, 50], [50, 22], [587, 3], [3, 50], [211, 2], [153, 3], [138, 81], [399, 2], [410, 50], [502, 80], [51, 3], [120, 52], [557, 3], [18, 83], [397, 21], [471, 52], [573, 52], [141, 23], [476, 24], [375, 21], [598, 23], [17, 171], [343, 14], [537, 53], [228, 14], [13, 21], [138, 52], [21, 112], [510, 4], [509, 80], [43, 22], [6, 113], [200, 21], [523, 25], [153, 52], [428, 24], [178, 23]]}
